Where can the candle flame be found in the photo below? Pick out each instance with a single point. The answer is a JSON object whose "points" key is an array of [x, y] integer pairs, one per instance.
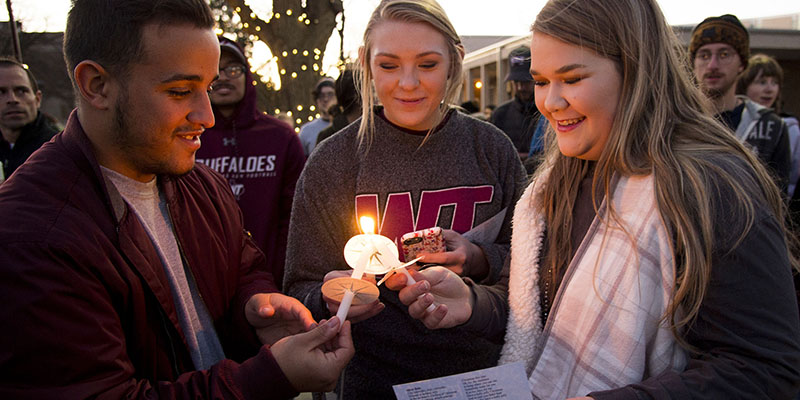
{"points": [[367, 225]]}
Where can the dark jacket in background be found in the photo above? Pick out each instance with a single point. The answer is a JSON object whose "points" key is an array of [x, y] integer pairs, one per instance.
{"points": [[518, 121], [764, 132], [87, 309], [33, 136], [339, 122]]}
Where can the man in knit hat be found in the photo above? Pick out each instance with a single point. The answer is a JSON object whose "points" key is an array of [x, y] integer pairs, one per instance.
{"points": [[719, 49]]}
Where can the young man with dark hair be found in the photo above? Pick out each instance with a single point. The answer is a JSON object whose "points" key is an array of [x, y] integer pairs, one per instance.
{"points": [[125, 269], [24, 128], [719, 50]]}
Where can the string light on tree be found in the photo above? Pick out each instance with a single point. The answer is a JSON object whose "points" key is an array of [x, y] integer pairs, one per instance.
{"points": [[249, 23]]}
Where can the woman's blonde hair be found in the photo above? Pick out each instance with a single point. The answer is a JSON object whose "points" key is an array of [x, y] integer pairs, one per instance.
{"points": [[414, 11], [664, 127]]}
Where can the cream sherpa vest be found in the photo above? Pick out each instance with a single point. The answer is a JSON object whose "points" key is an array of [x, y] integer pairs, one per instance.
{"points": [[603, 330]]}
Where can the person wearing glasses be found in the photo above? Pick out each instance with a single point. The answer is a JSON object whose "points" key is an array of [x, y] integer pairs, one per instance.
{"points": [[259, 155], [719, 50]]}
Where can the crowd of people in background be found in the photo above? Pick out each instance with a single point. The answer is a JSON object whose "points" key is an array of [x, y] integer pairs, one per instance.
{"points": [[625, 226]]}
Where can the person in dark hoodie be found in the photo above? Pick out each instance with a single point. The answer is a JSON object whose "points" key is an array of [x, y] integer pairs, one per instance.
{"points": [[260, 156], [24, 128]]}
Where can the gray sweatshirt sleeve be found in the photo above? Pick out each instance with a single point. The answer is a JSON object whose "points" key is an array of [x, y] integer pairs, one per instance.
{"points": [[490, 307], [318, 227], [515, 182]]}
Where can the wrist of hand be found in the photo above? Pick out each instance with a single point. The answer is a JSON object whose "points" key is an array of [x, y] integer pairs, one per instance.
{"points": [[476, 266]]}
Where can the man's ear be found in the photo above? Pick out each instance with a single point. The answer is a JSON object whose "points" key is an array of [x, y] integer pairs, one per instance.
{"points": [[38, 96], [95, 84]]}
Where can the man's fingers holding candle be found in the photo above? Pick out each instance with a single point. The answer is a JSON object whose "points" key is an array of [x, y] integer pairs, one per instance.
{"points": [[313, 360]]}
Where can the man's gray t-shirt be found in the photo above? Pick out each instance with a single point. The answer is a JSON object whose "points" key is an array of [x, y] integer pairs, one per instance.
{"points": [[198, 326]]}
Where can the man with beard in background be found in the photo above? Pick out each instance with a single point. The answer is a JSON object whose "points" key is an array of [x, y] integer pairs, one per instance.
{"points": [[719, 50]]}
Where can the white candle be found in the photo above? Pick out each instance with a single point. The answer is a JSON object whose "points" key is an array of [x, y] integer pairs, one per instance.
{"points": [[344, 306], [368, 226], [363, 260]]}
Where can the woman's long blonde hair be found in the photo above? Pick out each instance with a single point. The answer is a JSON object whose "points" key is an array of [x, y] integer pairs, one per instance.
{"points": [[664, 127], [424, 11]]}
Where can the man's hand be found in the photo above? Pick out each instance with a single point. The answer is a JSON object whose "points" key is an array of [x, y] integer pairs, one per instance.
{"points": [[462, 256], [356, 313], [312, 361], [274, 316], [440, 286]]}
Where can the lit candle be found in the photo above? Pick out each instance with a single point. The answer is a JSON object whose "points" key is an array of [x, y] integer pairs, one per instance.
{"points": [[367, 241], [368, 227]]}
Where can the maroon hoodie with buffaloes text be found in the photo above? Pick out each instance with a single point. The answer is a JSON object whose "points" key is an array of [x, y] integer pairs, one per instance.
{"points": [[261, 157]]}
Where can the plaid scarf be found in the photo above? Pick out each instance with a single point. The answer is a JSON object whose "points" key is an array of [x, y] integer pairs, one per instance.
{"points": [[603, 331]]}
